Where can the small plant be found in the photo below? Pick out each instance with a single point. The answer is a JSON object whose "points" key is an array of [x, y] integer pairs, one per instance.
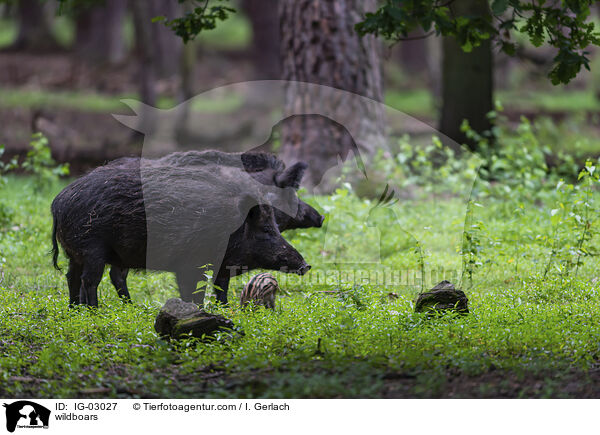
{"points": [[471, 250], [6, 212], [40, 163], [573, 223]]}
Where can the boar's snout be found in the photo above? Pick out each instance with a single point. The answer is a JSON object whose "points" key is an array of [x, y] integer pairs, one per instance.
{"points": [[308, 217], [304, 269], [295, 263]]}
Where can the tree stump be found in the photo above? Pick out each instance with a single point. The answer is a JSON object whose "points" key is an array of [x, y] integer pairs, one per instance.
{"points": [[179, 319], [442, 297]]}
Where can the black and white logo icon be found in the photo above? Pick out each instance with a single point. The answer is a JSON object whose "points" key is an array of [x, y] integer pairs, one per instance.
{"points": [[26, 415]]}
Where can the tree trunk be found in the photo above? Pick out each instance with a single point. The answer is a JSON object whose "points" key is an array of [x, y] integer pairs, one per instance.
{"points": [[467, 79], [34, 29], [100, 32], [156, 44], [413, 55], [167, 46], [319, 45], [264, 17], [142, 19]]}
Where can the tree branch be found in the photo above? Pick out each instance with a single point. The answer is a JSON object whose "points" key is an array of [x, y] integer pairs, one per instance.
{"points": [[414, 38]]}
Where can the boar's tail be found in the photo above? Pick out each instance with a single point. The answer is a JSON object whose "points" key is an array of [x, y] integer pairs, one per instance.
{"points": [[54, 245]]}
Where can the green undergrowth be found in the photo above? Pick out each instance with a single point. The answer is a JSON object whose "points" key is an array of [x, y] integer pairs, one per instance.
{"points": [[521, 243]]}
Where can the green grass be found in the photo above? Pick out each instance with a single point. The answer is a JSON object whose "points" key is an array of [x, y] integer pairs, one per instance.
{"points": [[8, 32], [94, 102], [417, 102], [355, 342], [554, 101], [420, 102]]}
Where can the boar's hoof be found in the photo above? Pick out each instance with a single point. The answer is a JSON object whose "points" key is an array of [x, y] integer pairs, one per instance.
{"points": [[442, 297], [179, 319]]}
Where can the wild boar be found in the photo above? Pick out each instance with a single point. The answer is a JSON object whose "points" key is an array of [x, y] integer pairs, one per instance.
{"points": [[265, 168], [170, 218]]}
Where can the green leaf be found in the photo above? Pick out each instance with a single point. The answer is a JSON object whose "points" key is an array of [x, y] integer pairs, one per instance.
{"points": [[499, 6]]}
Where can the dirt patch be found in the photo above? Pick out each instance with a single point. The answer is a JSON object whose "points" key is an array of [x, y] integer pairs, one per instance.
{"points": [[498, 384]]}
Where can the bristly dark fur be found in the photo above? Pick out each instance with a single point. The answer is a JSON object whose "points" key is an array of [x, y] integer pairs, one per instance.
{"points": [[251, 161], [265, 168], [105, 217]]}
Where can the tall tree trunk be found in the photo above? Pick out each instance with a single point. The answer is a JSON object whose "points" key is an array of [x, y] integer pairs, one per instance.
{"points": [[319, 45], [34, 29], [413, 55], [100, 32], [166, 45], [434, 66], [156, 44], [142, 19], [467, 79], [264, 17]]}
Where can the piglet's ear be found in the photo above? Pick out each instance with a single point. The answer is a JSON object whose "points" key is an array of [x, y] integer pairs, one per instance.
{"points": [[292, 176]]}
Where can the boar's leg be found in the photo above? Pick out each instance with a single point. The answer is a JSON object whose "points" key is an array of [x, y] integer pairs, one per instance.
{"points": [[222, 281], [74, 281], [118, 277], [187, 282], [90, 278]]}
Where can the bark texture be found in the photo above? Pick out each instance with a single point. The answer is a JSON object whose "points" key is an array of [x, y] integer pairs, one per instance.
{"points": [[34, 28], [467, 79], [264, 17], [100, 32], [155, 43], [319, 45]]}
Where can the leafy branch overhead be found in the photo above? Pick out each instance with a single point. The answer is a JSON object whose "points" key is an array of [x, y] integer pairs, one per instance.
{"points": [[563, 24], [203, 16]]}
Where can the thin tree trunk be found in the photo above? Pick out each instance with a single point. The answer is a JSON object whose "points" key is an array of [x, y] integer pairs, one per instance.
{"points": [[413, 55], [147, 70], [319, 45], [100, 32], [34, 29], [264, 17], [467, 79], [167, 46]]}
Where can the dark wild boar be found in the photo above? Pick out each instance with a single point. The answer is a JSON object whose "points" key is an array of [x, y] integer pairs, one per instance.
{"points": [[171, 218], [265, 168]]}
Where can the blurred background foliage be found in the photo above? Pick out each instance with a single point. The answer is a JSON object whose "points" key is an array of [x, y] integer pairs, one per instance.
{"points": [[66, 64]]}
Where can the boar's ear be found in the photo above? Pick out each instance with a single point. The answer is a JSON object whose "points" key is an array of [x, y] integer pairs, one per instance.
{"points": [[292, 176], [247, 207]]}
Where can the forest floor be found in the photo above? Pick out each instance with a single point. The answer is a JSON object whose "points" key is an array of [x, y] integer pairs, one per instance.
{"points": [[528, 334]]}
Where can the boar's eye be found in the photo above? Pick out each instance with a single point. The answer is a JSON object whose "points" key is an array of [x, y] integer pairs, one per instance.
{"points": [[262, 234]]}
